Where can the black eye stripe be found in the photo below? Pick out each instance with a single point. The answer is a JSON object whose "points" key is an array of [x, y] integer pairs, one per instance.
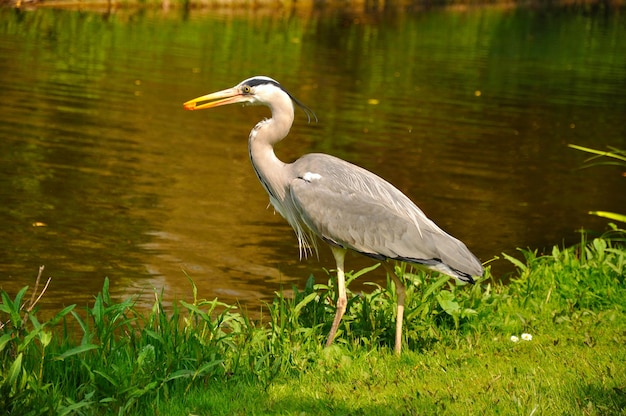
{"points": [[260, 81]]}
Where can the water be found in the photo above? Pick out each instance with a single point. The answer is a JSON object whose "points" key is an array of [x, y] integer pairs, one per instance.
{"points": [[469, 112]]}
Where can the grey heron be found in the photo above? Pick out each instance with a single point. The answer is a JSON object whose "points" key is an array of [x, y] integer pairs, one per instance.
{"points": [[348, 207]]}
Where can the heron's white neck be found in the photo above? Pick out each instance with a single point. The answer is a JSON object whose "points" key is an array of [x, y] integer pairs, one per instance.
{"points": [[263, 137]]}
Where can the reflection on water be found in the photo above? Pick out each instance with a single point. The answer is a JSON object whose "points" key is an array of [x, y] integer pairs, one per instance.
{"points": [[469, 113]]}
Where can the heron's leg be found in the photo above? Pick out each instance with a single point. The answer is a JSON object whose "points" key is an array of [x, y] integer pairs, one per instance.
{"points": [[400, 292], [342, 300]]}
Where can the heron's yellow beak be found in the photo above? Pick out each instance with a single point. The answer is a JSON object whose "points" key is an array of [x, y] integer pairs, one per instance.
{"points": [[227, 96]]}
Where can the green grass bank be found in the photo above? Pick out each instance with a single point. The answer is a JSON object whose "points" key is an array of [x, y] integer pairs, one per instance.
{"points": [[549, 342]]}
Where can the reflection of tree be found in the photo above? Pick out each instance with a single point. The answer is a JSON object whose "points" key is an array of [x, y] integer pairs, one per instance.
{"points": [[71, 148]]}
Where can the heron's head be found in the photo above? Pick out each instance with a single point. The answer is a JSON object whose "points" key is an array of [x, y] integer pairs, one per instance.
{"points": [[258, 90]]}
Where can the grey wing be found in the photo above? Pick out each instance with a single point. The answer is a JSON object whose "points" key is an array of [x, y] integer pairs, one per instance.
{"points": [[351, 207]]}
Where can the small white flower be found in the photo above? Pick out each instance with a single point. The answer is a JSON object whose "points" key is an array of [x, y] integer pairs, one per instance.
{"points": [[514, 338], [527, 337]]}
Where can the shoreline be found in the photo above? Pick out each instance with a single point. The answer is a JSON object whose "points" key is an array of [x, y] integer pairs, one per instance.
{"points": [[363, 6]]}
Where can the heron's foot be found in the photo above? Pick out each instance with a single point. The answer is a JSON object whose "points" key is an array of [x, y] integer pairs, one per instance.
{"points": [[342, 302]]}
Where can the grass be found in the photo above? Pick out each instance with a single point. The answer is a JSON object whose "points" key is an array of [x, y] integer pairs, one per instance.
{"points": [[488, 377], [611, 157], [204, 357]]}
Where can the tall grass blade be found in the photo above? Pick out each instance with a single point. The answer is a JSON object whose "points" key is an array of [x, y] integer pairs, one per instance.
{"points": [[303, 303], [16, 369], [614, 153], [107, 377], [521, 266], [4, 340], [76, 350], [434, 286], [609, 215]]}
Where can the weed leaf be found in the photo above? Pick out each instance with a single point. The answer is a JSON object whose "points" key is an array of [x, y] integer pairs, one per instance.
{"points": [[76, 350]]}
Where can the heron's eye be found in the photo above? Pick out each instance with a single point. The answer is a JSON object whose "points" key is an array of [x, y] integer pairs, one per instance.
{"points": [[245, 89]]}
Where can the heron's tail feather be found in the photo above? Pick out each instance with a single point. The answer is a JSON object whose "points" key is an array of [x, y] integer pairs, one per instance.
{"points": [[439, 266]]}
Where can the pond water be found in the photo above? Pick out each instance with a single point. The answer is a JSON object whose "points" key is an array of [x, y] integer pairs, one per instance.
{"points": [[469, 112]]}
